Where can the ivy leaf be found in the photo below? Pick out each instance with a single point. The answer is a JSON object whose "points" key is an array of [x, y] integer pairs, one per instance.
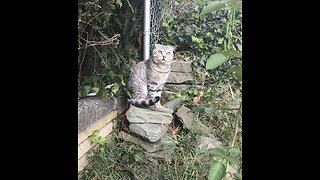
{"points": [[216, 152], [111, 74], [87, 89], [235, 151], [115, 88], [217, 171], [233, 160], [237, 71], [215, 60], [109, 86], [96, 89], [234, 53]]}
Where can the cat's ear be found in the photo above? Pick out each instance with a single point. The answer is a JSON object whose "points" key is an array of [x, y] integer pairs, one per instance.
{"points": [[157, 46], [172, 48]]}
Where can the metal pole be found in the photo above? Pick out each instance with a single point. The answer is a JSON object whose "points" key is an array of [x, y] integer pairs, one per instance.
{"points": [[146, 30]]}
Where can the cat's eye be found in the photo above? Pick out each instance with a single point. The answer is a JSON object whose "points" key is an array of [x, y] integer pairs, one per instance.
{"points": [[168, 53], [160, 52]]}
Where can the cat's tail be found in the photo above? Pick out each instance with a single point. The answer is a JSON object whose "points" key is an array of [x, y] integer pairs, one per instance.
{"points": [[144, 102]]}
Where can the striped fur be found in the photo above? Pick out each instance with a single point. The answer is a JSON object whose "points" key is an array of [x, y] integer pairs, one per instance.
{"points": [[148, 77]]}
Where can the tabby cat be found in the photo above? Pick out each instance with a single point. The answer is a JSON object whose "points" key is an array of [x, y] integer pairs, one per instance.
{"points": [[148, 77]]}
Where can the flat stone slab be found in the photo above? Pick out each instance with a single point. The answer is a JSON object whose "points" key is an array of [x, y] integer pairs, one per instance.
{"points": [[179, 77], [147, 146], [91, 109], [150, 115], [151, 132], [181, 66]]}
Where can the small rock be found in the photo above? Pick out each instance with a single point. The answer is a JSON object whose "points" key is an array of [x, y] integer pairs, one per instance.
{"points": [[210, 142], [234, 104], [186, 116], [151, 132], [173, 104]]}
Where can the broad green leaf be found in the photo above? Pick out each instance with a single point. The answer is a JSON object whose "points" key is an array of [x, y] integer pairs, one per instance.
{"points": [[235, 151], [238, 74], [238, 176], [216, 152], [233, 160], [236, 5], [213, 6], [87, 89], [96, 89], [234, 69], [234, 53], [215, 60], [237, 71], [217, 171], [111, 74]]}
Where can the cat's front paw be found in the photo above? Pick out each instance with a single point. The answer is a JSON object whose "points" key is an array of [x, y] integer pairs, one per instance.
{"points": [[157, 106]]}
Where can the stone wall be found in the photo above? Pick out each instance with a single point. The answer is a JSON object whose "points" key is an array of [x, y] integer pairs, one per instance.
{"points": [[96, 114]]}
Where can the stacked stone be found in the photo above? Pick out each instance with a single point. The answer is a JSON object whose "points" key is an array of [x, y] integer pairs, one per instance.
{"points": [[180, 78], [150, 124]]}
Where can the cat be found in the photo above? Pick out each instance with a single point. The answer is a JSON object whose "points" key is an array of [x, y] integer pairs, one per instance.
{"points": [[148, 77]]}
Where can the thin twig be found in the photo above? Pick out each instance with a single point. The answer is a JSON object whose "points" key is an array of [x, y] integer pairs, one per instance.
{"points": [[101, 43], [232, 96], [239, 113]]}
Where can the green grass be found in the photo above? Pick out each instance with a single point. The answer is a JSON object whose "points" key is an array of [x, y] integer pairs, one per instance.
{"points": [[121, 160], [116, 159]]}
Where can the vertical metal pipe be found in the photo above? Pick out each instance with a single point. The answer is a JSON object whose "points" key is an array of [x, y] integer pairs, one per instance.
{"points": [[146, 30]]}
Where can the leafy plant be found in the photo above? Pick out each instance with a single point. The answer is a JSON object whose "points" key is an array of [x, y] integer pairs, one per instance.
{"points": [[229, 51], [106, 50]]}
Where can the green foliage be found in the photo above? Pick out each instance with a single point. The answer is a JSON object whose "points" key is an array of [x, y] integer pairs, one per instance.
{"points": [[107, 50], [200, 37], [122, 160], [220, 158], [217, 171], [96, 138], [215, 60], [213, 6]]}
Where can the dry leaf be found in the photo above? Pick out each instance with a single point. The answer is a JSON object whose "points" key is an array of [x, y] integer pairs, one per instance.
{"points": [[198, 97]]}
